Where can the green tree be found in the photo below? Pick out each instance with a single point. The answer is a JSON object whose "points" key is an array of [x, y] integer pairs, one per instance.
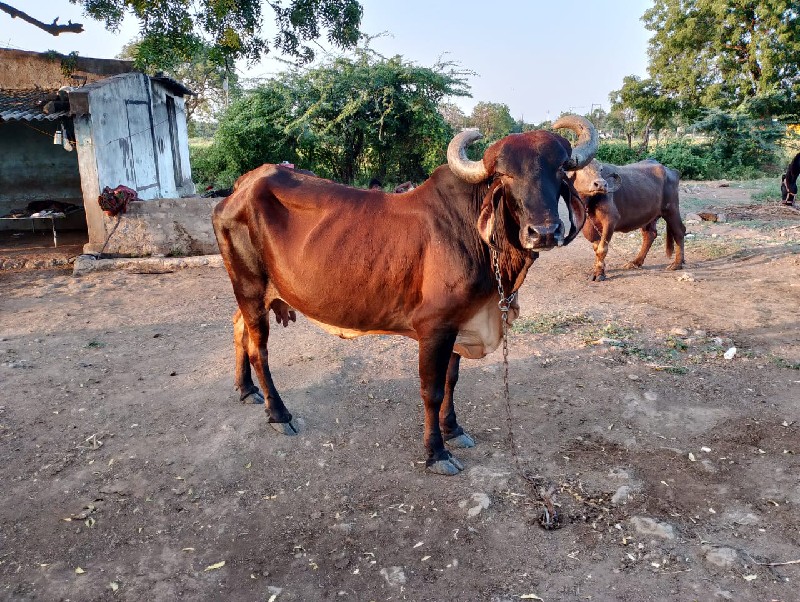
{"points": [[598, 117], [726, 53], [493, 119], [173, 30], [213, 85], [349, 119], [643, 107], [453, 115], [253, 131], [623, 120], [739, 145]]}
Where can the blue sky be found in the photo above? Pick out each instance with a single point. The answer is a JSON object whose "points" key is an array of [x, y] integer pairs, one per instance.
{"points": [[540, 58]]}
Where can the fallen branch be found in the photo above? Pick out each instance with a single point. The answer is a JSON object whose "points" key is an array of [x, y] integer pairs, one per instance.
{"points": [[776, 563], [746, 553], [52, 28]]}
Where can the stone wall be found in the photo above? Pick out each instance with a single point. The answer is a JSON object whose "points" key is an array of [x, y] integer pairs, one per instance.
{"points": [[176, 227], [20, 69]]}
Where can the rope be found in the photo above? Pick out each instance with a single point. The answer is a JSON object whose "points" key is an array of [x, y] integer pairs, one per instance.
{"points": [[110, 234]]}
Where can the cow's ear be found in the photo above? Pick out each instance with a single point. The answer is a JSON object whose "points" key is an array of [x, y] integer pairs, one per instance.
{"points": [[486, 221], [614, 181], [487, 218]]}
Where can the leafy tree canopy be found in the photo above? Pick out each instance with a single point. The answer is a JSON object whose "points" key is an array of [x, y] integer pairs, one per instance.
{"points": [[453, 115], [207, 79], [350, 119], [493, 120], [725, 53], [173, 31], [640, 106]]}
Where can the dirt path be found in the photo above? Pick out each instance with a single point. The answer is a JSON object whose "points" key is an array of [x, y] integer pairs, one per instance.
{"points": [[131, 471]]}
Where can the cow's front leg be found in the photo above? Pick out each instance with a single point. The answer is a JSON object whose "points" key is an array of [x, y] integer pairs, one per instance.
{"points": [[435, 351], [600, 252], [595, 230], [454, 435]]}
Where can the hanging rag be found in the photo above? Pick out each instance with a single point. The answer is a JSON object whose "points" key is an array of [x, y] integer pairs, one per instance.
{"points": [[115, 201]]}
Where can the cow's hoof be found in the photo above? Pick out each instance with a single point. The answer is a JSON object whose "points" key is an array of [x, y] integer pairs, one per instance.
{"points": [[285, 428], [598, 277], [631, 265], [254, 398], [461, 441], [674, 267], [448, 467]]}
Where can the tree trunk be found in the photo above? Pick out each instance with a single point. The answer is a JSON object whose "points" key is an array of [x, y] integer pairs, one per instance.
{"points": [[351, 159], [645, 137]]}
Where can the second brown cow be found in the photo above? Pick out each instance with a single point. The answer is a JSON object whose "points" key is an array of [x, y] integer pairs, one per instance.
{"points": [[624, 198]]}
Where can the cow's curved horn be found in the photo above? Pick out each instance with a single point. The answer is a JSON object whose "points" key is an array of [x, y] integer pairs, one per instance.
{"points": [[466, 169], [586, 146]]}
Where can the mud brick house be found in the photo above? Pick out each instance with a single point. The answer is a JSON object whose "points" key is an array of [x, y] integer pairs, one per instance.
{"points": [[70, 126]]}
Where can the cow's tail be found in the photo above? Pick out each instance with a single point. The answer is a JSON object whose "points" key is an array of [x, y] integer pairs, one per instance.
{"points": [[670, 246]]}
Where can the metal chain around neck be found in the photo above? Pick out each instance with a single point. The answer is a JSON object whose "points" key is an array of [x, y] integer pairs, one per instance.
{"points": [[505, 306], [549, 517], [505, 302]]}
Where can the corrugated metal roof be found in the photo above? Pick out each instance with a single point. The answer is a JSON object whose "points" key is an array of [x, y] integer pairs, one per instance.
{"points": [[28, 105], [173, 86]]}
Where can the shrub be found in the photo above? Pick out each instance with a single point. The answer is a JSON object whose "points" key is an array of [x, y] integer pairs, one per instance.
{"points": [[616, 153], [741, 147], [692, 161]]}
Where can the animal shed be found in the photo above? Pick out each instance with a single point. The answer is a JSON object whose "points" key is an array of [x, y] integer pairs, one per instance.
{"points": [[70, 126]]}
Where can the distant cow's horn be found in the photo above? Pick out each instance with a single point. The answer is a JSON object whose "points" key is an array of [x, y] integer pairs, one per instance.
{"points": [[586, 146], [466, 169]]}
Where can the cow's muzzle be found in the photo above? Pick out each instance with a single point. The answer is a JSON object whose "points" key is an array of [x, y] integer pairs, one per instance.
{"points": [[542, 237]]}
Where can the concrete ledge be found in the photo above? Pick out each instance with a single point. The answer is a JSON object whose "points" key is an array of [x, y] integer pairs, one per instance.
{"points": [[85, 264], [176, 227], [27, 263]]}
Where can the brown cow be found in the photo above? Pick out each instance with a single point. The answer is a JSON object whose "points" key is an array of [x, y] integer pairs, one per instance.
{"points": [[421, 265], [621, 199]]}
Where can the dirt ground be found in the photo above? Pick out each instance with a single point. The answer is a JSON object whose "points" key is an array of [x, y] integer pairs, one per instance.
{"points": [[26, 249], [130, 470]]}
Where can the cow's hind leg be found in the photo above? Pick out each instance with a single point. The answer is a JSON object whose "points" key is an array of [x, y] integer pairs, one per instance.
{"points": [[454, 435], [435, 352], [250, 285], [649, 233], [248, 391], [256, 318]]}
